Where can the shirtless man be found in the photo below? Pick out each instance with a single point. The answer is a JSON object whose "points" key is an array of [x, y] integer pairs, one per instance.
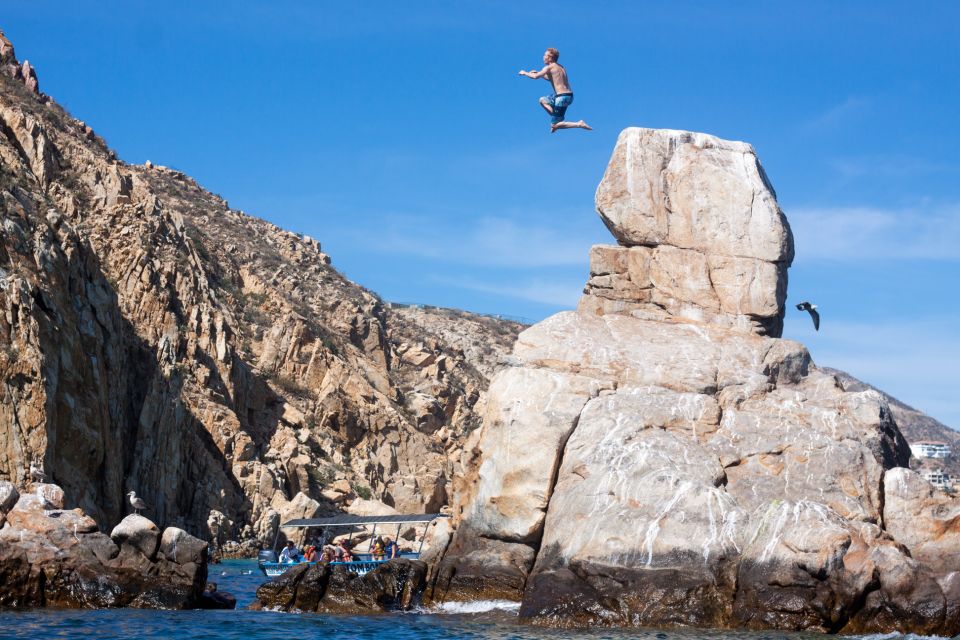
{"points": [[556, 103]]}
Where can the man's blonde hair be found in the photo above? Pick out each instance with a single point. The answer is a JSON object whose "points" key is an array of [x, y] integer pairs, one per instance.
{"points": [[553, 53]]}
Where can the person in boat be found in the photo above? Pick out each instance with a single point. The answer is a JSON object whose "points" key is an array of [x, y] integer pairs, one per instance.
{"points": [[345, 552], [329, 553], [378, 549], [289, 554], [390, 548], [310, 554], [562, 97]]}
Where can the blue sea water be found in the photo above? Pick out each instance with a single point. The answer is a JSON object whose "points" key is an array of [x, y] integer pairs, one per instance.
{"points": [[492, 621]]}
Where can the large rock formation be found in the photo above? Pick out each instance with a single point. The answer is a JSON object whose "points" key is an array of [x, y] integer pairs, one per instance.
{"points": [[51, 556], [154, 339], [700, 233], [659, 458], [397, 585]]}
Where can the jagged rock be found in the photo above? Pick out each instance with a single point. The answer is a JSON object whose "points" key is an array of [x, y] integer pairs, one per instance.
{"points": [[219, 527], [30, 77], [650, 468], [6, 50], [279, 592], [395, 585]]}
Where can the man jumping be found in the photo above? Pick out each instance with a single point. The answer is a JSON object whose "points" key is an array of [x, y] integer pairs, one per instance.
{"points": [[562, 97]]}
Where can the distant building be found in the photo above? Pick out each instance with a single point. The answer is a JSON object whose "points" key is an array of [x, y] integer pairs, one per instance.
{"points": [[937, 478], [930, 449]]}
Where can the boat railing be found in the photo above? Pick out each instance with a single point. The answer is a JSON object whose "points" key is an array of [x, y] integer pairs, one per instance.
{"points": [[361, 564]]}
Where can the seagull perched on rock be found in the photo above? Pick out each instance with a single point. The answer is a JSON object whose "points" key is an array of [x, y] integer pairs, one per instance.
{"points": [[136, 502], [36, 473], [812, 310]]}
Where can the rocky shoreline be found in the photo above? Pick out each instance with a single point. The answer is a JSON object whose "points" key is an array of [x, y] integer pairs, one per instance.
{"points": [[56, 557]]}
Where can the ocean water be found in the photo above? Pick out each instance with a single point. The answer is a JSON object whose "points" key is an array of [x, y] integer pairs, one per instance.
{"points": [[479, 620]]}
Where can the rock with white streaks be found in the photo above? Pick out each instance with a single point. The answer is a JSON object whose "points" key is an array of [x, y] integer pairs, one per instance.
{"points": [[642, 467], [924, 519]]}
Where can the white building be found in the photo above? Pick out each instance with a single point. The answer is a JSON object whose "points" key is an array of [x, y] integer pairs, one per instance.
{"points": [[937, 478], [930, 449]]}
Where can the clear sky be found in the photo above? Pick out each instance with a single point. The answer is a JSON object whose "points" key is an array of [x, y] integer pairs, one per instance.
{"points": [[400, 136]]}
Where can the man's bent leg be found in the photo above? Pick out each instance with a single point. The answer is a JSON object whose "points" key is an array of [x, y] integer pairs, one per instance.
{"points": [[546, 104]]}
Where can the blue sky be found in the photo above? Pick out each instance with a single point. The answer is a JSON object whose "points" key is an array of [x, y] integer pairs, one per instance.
{"points": [[400, 136]]}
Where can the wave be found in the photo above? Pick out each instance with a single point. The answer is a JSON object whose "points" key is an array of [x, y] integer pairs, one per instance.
{"points": [[898, 636], [476, 606]]}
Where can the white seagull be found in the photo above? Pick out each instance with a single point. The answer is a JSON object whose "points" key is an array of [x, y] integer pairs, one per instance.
{"points": [[36, 472], [136, 502]]}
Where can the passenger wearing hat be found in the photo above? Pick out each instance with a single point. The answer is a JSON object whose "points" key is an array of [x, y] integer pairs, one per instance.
{"points": [[329, 553]]}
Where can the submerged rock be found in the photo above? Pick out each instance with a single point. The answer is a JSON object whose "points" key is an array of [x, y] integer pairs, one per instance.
{"points": [[657, 458]]}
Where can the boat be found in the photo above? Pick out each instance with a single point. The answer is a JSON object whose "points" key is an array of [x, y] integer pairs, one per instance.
{"points": [[363, 563]]}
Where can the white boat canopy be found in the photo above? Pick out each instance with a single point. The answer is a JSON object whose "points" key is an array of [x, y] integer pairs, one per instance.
{"points": [[347, 520]]}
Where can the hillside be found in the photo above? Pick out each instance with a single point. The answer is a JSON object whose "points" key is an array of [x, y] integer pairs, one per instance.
{"points": [[155, 339]]}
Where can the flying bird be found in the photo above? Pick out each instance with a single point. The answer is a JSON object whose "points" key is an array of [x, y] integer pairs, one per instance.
{"points": [[812, 310], [136, 502]]}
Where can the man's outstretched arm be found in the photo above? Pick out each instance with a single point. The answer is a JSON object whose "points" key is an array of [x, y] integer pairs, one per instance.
{"points": [[535, 74]]}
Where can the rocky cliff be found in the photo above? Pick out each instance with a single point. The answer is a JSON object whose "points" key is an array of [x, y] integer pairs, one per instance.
{"points": [[152, 338], [661, 457]]}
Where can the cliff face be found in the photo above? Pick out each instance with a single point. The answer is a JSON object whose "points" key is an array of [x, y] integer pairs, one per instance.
{"points": [[154, 339], [658, 458]]}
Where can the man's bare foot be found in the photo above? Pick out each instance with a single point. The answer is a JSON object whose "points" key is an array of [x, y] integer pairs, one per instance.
{"points": [[584, 125]]}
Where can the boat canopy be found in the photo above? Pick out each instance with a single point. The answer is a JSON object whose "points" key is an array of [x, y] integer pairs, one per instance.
{"points": [[347, 520]]}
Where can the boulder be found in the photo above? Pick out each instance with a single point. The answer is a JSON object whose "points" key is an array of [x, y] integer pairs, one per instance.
{"points": [[8, 498], [279, 592], [50, 494], [396, 585], [701, 234], [179, 546], [213, 599], [137, 533]]}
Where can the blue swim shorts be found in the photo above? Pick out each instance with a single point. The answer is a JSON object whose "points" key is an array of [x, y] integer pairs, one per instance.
{"points": [[559, 103]]}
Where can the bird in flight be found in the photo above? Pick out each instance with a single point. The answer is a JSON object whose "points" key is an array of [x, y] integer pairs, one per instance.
{"points": [[812, 310]]}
